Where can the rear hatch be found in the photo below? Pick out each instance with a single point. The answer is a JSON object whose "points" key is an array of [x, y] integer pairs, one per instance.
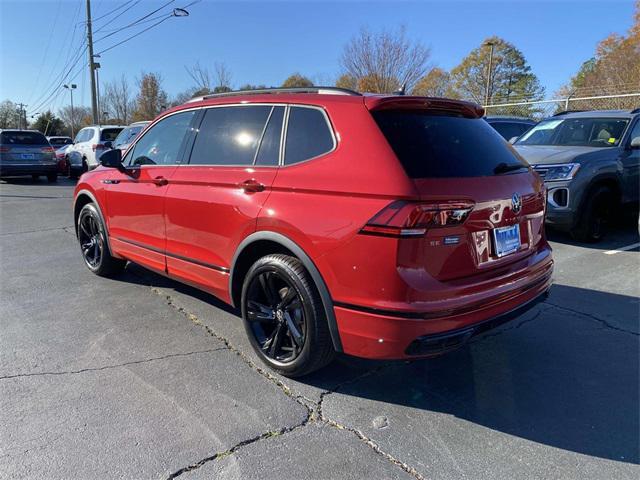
{"points": [[479, 205], [25, 148]]}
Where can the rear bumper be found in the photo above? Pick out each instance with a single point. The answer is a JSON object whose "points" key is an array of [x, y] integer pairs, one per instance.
{"points": [[33, 169], [384, 335]]}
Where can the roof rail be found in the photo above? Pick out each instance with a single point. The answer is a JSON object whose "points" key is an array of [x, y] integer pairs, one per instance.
{"points": [[262, 91], [635, 110]]}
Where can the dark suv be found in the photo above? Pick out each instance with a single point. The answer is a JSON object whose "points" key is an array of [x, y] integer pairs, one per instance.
{"points": [[27, 152], [379, 226], [590, 162]]}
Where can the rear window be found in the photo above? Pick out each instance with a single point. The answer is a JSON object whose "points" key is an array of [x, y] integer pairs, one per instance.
{"points": [[441, 146], [109, 134], [60, 141], [23, 138], [127, 135]]}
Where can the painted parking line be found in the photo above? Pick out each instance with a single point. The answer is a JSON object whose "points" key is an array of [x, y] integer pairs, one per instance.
{"points": [[622, 249]]}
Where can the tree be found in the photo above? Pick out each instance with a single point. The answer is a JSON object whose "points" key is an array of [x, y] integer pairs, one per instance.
{"points": [[386, 60], [511, 78], [248, 86], [615, 68], [347, 81], [297, 80], [9, 115], [81, 117], [201, 76], [436, 83], [118, 101], [151, 99], [49, 124], [223, 78]]}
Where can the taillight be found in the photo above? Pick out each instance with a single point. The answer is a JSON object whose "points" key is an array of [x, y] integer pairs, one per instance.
{"points": [[4, 149], [406, 219], [97, 146], [46, 149]]}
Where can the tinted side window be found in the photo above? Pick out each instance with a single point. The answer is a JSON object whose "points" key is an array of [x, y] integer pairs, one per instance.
{"points": [[269, 151], [635, 132], [308, 135], [229, 135], [162, 144]]}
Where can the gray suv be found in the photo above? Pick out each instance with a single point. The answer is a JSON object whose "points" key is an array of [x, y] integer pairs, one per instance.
{"points": [[590, 163]]}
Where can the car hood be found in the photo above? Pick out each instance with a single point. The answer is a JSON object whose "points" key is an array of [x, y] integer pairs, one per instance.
{"points": [[548, 154]]}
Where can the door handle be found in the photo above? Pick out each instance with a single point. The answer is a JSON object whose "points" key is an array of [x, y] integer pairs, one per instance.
{"points": [[160, 181], [251, 186]]}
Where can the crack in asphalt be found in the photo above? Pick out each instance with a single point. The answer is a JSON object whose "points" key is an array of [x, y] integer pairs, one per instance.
{"points": [[602, 321], [108, 367], [36, 231], [508, 329], [313, 415]]}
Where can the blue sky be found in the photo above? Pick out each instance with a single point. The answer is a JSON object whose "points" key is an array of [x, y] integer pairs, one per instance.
{"points": [[264, 42]]}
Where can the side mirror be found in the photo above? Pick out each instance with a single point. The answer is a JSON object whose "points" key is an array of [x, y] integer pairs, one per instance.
{"points": [[635, 143], [512, 140], [112, 159], [108, 144]]}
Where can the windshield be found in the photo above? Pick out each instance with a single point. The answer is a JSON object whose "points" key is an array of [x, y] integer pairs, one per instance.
{"points": [[437, 146], [127, 135], [579, 132]]}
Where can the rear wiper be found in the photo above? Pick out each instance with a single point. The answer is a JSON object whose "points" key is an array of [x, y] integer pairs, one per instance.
{"points": [[504, 167]]}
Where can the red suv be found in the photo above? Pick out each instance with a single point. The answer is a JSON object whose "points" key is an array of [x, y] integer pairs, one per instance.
{"points": [[379, 226]]}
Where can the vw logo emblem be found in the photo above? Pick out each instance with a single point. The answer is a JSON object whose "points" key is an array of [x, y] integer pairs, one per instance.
{"points": [[516, 203]]}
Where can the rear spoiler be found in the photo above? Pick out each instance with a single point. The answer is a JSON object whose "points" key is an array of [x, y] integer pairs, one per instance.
{"points": [[440, 105]]}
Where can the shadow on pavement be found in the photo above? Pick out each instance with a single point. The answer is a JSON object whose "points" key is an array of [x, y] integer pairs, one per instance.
{"points": [[623, 232], [567, 380]]}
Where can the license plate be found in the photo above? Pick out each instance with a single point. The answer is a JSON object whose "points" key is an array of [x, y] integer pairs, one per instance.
{"points": [[506, 240], [27, 156]]}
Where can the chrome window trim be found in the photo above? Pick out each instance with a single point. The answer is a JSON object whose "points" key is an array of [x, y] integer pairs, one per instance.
{"points": [[283, 134]]}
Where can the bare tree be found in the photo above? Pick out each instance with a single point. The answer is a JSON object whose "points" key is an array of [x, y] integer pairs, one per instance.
{"points": [[200, 75], [386, 60], [223, 77], [118, 100]]}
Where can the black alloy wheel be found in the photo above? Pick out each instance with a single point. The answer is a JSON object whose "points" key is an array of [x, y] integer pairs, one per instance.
{"points": [[274, 310], [94, 245], [91, 241], [284, 316]]}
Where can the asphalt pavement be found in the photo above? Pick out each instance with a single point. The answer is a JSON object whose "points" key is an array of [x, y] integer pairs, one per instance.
{"points": [[142, 377]]}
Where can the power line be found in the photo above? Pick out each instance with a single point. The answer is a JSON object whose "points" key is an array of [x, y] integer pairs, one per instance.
{"points": [[117, 16], [133, 36], [113, 11], [135, 22]]}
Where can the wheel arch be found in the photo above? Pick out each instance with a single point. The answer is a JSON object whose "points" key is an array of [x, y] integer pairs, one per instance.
{"points": [[82, 198], [263, 243], [610, 181]]}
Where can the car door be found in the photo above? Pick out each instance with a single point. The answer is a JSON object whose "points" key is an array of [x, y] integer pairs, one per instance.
{"points": [[630, 159], [135, 196], [212, 203]]}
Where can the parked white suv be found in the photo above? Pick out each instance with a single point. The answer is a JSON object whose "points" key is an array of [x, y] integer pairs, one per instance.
{"points": [[89, 144]]}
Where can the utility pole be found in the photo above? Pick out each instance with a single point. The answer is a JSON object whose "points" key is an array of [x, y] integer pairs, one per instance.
{"points": [[92, 67], [21, 109], [489, 72]]}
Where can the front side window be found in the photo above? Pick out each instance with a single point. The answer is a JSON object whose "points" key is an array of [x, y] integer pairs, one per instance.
{"points": [[162, 144], [230, 135], [308, 135], [577, 132]]}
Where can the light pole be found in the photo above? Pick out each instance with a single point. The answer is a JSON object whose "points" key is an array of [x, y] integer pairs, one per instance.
{"points": [[70, 88], [96, 67], [489, 71]]}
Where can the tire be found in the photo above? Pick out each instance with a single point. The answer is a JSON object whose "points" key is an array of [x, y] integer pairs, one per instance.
{"points": [[284, 316], [52, 177], [594, 222], [93, 244]]}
